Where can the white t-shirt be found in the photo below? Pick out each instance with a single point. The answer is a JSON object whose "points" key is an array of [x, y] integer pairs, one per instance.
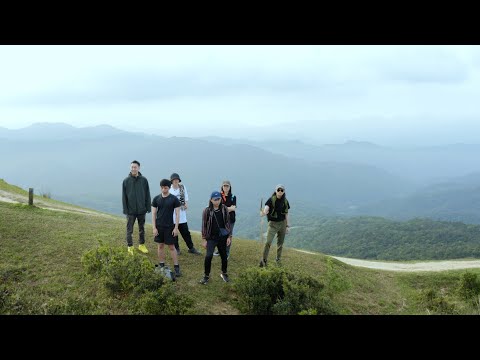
{"points": [[183, 212]]}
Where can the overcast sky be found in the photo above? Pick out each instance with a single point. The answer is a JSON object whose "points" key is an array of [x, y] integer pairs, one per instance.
{"points": [[390, 95]]}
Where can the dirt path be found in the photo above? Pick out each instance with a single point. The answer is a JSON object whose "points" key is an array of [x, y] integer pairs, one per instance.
{"points": [[412, 267], [6, 196]]}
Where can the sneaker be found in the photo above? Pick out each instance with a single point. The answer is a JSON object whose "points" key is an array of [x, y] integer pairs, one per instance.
{"points": [[130, 250], [278, 261], [204, 281], [143, 248], [224, 277], [216, 253], [194, 251], [263, 263]]}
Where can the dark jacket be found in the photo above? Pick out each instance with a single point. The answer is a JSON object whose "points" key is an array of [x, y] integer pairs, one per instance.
{"points": [[207, 221], [229, 200], [136, 195], [282, 203]]}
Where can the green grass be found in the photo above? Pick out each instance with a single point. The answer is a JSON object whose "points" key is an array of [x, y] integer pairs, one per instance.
{"points": [[41, 272]]}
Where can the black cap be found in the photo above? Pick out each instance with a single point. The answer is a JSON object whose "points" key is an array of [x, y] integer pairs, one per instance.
{"points": [[175, 176]]}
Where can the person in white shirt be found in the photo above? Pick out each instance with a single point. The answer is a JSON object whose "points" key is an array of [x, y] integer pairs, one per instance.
{"points": [[180, 191]]}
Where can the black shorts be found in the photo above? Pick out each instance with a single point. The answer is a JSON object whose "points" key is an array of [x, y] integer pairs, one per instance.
{"points": [[165, 235]]}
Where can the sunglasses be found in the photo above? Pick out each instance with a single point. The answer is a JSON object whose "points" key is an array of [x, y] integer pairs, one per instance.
{"points": [[216, 199], [280, 190]]}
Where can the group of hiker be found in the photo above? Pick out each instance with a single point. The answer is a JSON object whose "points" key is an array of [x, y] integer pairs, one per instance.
{"points": [[169, 218]]}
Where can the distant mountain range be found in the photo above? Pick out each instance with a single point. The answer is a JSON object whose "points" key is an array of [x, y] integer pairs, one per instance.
{"points": [[421, 165], [86, 166]]}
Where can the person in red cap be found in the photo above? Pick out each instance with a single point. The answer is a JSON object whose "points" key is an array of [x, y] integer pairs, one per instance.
{"points": [[216, 232]]}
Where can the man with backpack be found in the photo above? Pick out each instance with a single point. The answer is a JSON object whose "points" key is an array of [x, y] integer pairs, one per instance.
{"points": [[276, 209]]}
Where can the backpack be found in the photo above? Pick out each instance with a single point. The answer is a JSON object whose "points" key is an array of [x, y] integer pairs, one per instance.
{"points": [[182, 194]]}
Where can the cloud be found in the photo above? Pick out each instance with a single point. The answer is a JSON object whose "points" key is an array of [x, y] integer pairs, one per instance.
{"points": [[421, 64]]}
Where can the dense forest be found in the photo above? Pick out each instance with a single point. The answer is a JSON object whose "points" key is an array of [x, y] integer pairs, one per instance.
{"points": [[382, 239]]}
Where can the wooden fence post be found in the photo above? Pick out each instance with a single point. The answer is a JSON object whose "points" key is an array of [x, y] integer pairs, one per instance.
{"points": [[30, 196]]}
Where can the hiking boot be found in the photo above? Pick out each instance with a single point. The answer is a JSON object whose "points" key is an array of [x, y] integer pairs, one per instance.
{"points": [[224, 277], [216, 253], [130, 250], [263, 263], [278, 262], [194, 251], [205, 279], [177, 272], [143, 248]]}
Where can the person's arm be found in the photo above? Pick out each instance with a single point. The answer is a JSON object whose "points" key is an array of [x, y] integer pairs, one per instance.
{"points": [[204, 228], [228, 226], [154, 216], [124, 199], [148, 199], [177, 220], [287, 219], [265, 211]]}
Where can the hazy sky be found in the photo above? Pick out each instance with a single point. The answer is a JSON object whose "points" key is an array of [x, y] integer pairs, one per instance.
{"points": [[329, 94]]}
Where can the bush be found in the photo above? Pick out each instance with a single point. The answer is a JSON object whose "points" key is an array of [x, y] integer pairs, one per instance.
{"points": [[120, 271], [164, 301], [276, 291], [469, 286]]}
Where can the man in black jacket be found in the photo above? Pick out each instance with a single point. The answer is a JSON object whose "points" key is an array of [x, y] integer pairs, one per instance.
{"points": [[136, 203]]}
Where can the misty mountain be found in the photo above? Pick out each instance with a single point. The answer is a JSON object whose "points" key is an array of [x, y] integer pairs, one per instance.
{"points": [[421, 165], [55, 131], [451, 201], [87, 168]]}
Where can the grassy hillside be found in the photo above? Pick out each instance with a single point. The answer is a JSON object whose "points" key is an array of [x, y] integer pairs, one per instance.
{"points": [[41, 271]]}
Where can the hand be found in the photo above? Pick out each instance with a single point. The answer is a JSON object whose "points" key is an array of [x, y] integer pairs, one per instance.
{"points": [[229, 240], [287, 230], [175, 232], [204, 243], [155, 231]]}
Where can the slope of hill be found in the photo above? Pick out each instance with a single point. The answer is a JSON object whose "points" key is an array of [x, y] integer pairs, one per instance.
{"points": [[41, 273]]}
